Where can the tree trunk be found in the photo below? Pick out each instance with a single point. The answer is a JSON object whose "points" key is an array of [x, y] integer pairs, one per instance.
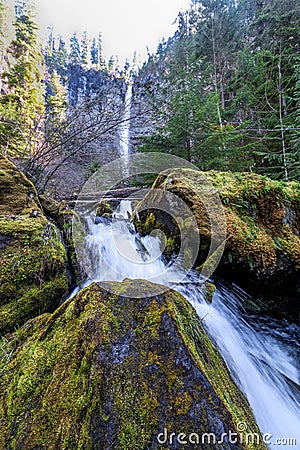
{"points": [[188, 148], [281, 106]]}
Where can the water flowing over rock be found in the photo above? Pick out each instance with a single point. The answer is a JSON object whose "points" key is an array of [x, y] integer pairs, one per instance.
{"points": [[107, 371]]}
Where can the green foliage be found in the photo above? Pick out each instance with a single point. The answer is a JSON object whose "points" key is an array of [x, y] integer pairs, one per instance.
{"points": [[228, 94], [75, 53], [84, 49], [21, 102], [56, 101]]}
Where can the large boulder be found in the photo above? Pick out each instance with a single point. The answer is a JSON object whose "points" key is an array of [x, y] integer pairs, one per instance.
{"points": [[32, 256], [262, 249], [107, 371]]}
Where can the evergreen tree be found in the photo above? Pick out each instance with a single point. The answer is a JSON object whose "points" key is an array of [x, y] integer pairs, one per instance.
{"points": [[61, 61], [84, 49], [23, 100], [56, 57], [275, 31], [56, 102], [102, 62], [94, 53], [111, 63], [226, 86], [75, 53]]}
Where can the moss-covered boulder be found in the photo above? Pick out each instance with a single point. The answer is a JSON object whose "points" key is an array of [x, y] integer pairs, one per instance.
{"points": [[62, 215], [262, 247], [107, 371], [32, 256]]}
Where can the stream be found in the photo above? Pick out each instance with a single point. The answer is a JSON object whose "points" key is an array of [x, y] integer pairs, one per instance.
{"points": [[261, 353]]}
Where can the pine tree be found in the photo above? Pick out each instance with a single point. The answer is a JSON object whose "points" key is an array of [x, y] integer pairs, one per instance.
{"points": [[94, 53], [111, 63], [56, 102], [226, 86], [276, 43], [75, 54], [102, 62], [23, 99], [61, 61], [84, 49]]}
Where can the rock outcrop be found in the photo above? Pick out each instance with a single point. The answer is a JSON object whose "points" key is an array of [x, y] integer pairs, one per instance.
{"points": [[262, 251], [32, 256], [107, 371]]}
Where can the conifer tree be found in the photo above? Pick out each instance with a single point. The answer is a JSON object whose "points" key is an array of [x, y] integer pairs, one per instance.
{"points": [[94, 53], [75, 53], [23, 99], [56, 102], [84, 50]]}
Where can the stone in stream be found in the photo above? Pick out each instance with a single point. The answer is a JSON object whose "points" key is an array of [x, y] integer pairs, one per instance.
{"points": [[107, 371]]}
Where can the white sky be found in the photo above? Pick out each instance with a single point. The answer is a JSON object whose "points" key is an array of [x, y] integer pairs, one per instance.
{"points": [[126, 25]]}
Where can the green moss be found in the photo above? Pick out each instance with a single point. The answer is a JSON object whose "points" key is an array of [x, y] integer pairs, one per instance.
{"points": [[257, 211], [33, 262], [210, 289], [209, 360], [104, 209], [107, 369], [150, 223]]}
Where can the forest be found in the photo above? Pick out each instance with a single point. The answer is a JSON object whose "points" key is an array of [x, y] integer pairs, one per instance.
{"points": [[227, 91], [224, 90]]}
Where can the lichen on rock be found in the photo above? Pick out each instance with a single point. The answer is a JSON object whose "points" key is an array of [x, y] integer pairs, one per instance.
{"points": [[33, 259], [106, 371], [262, 225]]}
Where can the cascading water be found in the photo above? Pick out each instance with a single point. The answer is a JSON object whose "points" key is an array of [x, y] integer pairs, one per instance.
{"points": [[262, 360], [124, 129]]}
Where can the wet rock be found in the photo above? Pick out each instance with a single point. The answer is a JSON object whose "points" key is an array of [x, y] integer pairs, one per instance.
{"points": [[107, 371]]}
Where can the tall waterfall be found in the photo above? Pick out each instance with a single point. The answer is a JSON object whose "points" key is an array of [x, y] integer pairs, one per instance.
{"points": [[124, 130], [260, 354]]}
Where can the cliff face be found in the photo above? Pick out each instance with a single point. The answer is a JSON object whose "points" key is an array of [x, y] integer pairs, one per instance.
{"points": [[108, 371], [143, 121], [262, 246], [32, 256], [94, 113]]}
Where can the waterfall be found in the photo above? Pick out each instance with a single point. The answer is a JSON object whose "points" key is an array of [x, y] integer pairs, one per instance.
{"points": [[260, 354], [124, 129]]}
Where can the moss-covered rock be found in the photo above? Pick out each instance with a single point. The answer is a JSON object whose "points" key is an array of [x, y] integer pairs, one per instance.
{"points": [[107, 371], [262, 225], [62, 215], [32, 256]]}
